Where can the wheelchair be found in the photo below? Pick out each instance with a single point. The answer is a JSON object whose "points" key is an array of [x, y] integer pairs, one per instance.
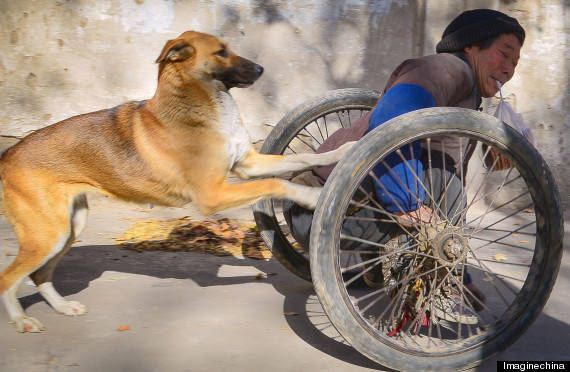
{"points": [[504, 231]]}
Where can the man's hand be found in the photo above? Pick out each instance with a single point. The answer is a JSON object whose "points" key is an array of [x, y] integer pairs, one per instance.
{"points": [[421, 215]]}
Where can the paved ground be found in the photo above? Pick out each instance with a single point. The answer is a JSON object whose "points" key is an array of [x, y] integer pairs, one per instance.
{"points": [[197, 312], [186, 311]]}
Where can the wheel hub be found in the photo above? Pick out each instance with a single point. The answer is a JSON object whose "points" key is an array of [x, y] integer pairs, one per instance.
{"points": [[446, 243], [449, 246]]}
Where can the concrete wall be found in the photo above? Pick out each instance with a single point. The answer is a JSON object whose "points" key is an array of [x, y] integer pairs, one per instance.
{"points": [[65, 57]]}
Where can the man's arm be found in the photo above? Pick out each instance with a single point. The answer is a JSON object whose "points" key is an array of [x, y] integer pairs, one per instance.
{"points": [[398, 189]]}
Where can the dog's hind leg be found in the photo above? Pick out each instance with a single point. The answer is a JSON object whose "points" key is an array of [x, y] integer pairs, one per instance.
{"points": [[41, 220], [255, 164], [43, 277]]}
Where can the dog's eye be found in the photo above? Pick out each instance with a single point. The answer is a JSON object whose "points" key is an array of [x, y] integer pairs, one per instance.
{"points": [[222, 53]]}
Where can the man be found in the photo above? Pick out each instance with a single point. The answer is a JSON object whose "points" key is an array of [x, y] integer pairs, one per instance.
{"points": [[478, 53]]}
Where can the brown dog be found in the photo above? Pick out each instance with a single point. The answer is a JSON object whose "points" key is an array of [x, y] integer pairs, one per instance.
{"points": [[176, 147]]}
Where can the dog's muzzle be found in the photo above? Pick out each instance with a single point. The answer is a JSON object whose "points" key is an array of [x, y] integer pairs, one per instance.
{"points": [[241, 74]]}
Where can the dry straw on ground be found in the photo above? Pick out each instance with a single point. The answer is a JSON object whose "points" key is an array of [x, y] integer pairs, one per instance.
{"points": [[218, 237]]}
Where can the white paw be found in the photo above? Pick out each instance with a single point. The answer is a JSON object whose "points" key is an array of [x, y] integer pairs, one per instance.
{"points": [[310, 197], [71, 308], [315, 194], [305, 196], [27, 324]]}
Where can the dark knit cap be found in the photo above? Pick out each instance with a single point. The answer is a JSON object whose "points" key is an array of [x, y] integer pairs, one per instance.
{"points": [[477, 25]]}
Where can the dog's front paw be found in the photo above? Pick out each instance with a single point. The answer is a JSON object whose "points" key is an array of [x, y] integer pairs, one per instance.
{"points": [[71, 308], [314, 195], [27, 324], [305, 196], [310, 197]]}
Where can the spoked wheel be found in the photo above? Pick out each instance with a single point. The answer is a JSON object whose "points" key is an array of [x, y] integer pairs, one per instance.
{"points": [[502, 230], [303, 130]]}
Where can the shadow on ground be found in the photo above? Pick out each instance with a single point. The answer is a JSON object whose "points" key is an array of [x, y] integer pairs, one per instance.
{"points": [[87, 263], [547, 338]]}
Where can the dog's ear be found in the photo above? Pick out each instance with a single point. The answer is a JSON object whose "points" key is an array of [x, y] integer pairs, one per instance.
{"points": [[175, 51]]}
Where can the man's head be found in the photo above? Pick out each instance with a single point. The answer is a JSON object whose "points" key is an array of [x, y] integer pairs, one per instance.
{"points": [[491, 41]]}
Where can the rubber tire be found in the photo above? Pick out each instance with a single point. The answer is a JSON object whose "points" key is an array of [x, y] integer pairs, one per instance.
{"points": [[337, 192], [276, 143]]}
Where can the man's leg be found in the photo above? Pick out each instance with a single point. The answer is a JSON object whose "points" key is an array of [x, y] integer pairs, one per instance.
{"points": [[450, 203]]}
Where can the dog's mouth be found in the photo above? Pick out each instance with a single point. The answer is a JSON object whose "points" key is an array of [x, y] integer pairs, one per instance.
{"points": [[237, 84], [242, 75]]}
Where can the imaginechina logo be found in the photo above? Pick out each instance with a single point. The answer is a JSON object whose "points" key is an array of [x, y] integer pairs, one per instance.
{"points": [[532, 366]]}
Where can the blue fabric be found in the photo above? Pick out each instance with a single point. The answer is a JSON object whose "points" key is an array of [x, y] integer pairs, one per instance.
{"points": [[401, 189]]}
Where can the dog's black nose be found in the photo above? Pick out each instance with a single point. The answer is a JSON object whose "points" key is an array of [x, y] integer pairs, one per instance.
{"points": [[258, 70]]}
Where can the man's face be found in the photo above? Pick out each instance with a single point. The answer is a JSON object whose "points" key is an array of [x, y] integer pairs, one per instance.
{"points": [[496, 63]]}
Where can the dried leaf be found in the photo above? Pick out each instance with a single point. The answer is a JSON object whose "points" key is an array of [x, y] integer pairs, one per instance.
{"points": [[523, 241], [123, 328], [500, 257]]}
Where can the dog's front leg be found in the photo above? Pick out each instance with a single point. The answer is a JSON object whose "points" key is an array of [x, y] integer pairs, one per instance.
{"points": [[213, 197], [255, 164]]}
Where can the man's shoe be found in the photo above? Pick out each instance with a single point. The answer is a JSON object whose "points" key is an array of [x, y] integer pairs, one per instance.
{"points": [[450, 307], [374, 278], [380, 274]]}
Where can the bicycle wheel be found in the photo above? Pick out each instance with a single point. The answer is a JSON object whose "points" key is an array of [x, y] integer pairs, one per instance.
{"points": [[505, 230], [304, 129]]}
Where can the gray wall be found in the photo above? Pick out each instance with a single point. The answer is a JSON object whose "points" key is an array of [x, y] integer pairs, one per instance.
{"points": [[62, 58]]}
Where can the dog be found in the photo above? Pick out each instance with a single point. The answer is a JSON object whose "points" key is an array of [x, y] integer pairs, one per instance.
{"points": [[176, 147]]}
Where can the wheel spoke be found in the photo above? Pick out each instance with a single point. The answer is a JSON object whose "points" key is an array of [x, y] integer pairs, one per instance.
{"points": [[416, 178], [482, 265], [437, 288], [313, 137], [349, 121], [407, 248], [326, 126], [498, 241], [293, 151], [488, 271], [319, 129], [298, 138], [367, 219], [480, 187], [474, 297], [463, 195], [379, 209], [500, 220], [339, 119], [487, 212], [463, 212]]}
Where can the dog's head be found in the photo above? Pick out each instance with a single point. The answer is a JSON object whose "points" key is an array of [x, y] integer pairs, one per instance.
{"points": [[194, 55]]}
